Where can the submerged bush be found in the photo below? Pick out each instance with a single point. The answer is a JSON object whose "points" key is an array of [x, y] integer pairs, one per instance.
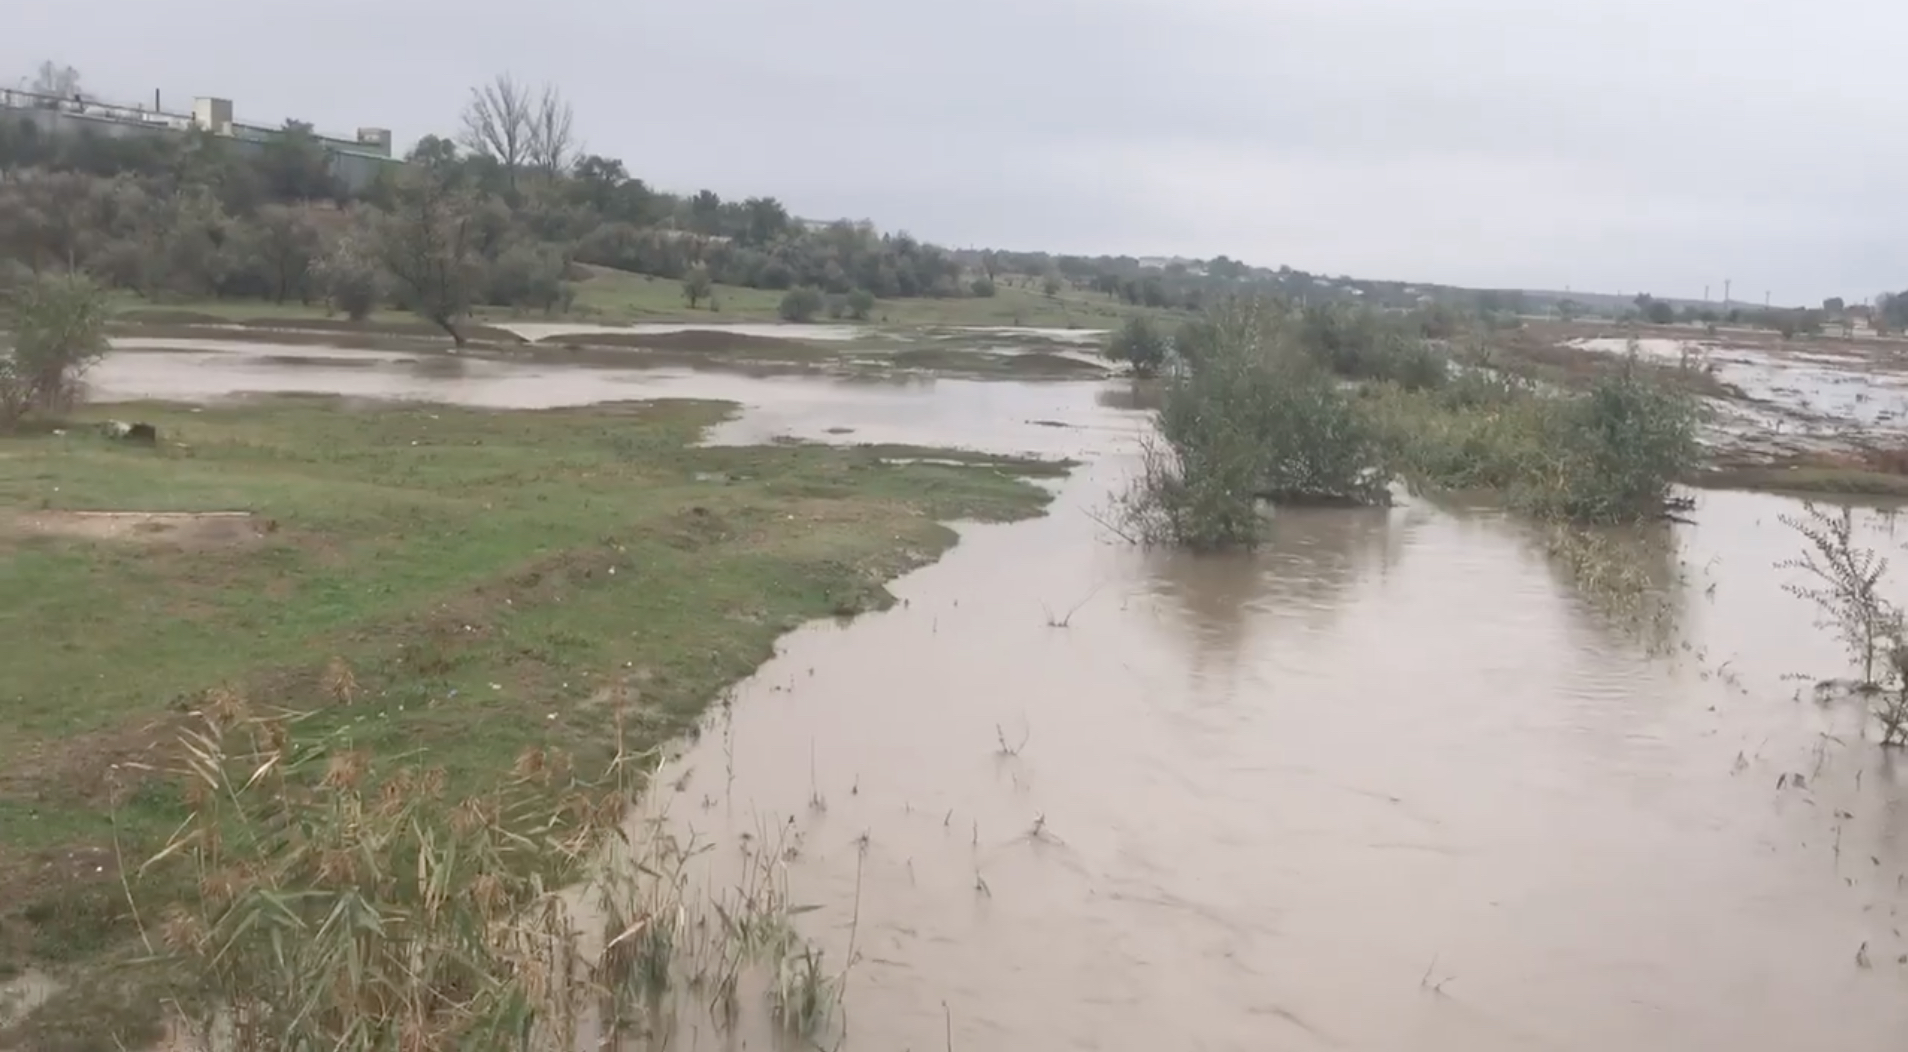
{"points": [[1255, 419], [59, 331], [1616, 450], [1139, 344], [1608, 455]]}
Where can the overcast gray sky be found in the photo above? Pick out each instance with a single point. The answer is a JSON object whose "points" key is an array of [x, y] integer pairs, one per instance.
{"points": [[1615, 145]]}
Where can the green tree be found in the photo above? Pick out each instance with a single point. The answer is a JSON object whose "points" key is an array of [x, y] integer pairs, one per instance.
{"points": [[801, 304], [767, 220], [860, 303], [287, 243], [1050, 285], [1655, 311], [983, 287], [1891, 312], [1139, 344], [697, 286], [705, 212], [348, 275], [294, 166]]}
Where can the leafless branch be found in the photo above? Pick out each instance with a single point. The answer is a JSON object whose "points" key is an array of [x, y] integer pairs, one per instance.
{"points": [[499, 122], [552, 140]]}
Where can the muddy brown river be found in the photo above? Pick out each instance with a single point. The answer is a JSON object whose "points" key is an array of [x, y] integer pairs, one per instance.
{"points": [[1390, 783]]}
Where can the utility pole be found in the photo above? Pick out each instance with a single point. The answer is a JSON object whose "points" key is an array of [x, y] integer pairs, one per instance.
{"points": [[1725, 293], [1705, 293], [1765, 299]]}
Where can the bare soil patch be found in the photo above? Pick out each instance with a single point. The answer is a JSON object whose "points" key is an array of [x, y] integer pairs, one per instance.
{"points": [[192, 530]]}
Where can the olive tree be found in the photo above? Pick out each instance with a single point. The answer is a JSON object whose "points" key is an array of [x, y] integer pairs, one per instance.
{"points": [[59, 331]]}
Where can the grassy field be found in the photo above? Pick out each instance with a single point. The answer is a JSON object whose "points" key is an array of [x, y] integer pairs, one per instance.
{"points": [[455, 583], [617, 296]]}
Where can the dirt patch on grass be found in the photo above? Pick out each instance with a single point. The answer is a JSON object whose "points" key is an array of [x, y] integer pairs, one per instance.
{"points": [[57, 904], [190, 530], [95, 768]]}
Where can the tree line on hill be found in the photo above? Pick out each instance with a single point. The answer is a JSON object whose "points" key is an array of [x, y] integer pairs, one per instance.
{"points": [[499, 214], [502, 212]]}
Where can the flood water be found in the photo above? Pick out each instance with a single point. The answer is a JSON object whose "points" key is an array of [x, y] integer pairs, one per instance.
{"points": [[1797, 400], [1391, 782], [1387, 784]]}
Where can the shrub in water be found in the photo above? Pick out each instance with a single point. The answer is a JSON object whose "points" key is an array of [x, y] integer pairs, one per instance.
{"points": [[1140, 344], [1254, 420]]}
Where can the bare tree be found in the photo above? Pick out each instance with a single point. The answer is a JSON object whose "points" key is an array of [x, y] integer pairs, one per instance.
{"points": [[552, 145], [427, 246], [56, 80], [499, 122]]}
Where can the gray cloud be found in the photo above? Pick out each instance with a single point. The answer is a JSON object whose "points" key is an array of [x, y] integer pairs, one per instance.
{"points": [[1618, 145]]}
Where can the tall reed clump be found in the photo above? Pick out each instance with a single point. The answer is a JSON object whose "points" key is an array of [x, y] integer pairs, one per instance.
{"points": [[341, 904], [1252, 418], [58, 324]]}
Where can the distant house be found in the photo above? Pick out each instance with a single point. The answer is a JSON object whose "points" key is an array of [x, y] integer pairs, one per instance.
{"points": [[355, 162]]}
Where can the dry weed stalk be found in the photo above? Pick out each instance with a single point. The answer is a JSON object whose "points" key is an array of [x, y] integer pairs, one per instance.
{"points": [[1846, 587], [338, 905], [340, 683]]}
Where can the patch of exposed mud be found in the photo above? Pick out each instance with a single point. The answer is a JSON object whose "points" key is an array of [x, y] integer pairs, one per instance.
{"points": [[23, 993], [196, 531]]}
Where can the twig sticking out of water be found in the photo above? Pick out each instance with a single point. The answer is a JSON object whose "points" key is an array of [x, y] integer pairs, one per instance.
{"points": [[1425, 982], [1106, 522], [1011, 750], [1066, 620], [816, 802]]}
